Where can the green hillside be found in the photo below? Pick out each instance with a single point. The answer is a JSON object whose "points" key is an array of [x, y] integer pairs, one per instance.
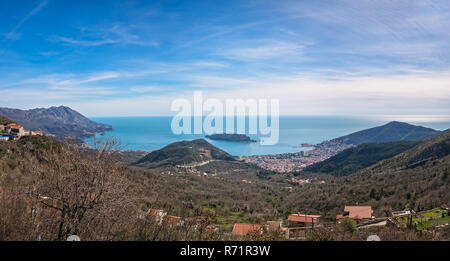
{"points": [[417, 178], [15, 155], [392, 131], [362, 156], [435, 150], [183, 152]]}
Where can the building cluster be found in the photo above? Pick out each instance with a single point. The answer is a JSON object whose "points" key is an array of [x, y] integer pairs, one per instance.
{"points": [[162, 218], [297, 226], [14, 131], [290, 162], [307, 181]]}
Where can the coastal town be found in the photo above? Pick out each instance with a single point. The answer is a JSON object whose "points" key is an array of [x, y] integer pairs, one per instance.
{"points": [[291, 162], [14, 131]]}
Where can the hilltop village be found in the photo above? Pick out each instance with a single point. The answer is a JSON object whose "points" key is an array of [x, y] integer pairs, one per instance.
{"points": [[14, 131]]}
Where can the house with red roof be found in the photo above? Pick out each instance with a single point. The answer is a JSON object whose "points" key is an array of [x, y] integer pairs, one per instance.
{"points": [[172, 220], [157, 214], [358, 213], [245, 229], [303, 220]]}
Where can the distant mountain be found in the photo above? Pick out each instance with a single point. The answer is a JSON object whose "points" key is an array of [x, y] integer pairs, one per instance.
{"points": [[392, 131], [360, 157], [62, 122], [184, 152]]}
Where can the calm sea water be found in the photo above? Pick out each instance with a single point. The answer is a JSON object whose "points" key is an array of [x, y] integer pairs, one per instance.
{"points": [[152, 133]]}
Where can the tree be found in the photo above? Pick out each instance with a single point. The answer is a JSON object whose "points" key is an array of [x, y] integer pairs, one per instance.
{"points": [[348, 225], [82, 193]]}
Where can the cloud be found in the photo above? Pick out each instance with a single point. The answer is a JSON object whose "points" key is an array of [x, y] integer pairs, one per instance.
{"points": [[59, 80], [13, 35], [411, 31], [105, 35], [147, 89], [67, 40], [210, 64], [363, 94], [263, 52]]}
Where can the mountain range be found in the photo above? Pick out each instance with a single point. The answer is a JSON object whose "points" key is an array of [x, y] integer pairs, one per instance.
{"points": [[61, 122]]}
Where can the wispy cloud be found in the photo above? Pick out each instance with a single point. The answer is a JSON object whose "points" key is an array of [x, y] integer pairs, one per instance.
{"points": [[59, 80], [147, 89], [406, 30], [67, 40], [266, 51], [105, 35], [12, 35]]}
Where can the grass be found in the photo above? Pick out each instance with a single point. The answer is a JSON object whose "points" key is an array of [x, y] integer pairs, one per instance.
{"points": [[233, 218], [433, 223], [426, 219]]}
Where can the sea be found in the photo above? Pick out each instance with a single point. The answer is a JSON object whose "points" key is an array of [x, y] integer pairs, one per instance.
{"points": [[153, 133]]}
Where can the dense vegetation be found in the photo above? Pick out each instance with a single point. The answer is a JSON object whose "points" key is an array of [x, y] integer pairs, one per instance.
{"points": [[411, 179], [392, 131], [4, 120], [357, 158]]}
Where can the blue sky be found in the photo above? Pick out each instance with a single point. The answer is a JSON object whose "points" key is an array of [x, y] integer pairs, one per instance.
{"points": [[122, 58]]}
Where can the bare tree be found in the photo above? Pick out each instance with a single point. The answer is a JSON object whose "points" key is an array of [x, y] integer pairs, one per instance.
{"points": [[83, 192]]}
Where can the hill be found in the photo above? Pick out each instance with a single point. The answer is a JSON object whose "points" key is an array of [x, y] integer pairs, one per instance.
{"points": [[4, 120], [392, 131], [183, 152], [359, 157], [62, 122], [417, 178], [432, 152], [16, 155]]}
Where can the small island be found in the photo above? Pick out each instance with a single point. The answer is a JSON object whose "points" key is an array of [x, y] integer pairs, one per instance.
{"points": [[231, 137]]}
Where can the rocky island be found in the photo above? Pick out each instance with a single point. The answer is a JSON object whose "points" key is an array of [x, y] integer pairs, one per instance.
{"points": [[231, 137]]}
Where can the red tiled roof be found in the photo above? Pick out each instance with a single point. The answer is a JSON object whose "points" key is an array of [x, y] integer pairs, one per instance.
{"points": [[244, 229], [359, 212], [190, 221], [210, 228], [172, 220], [14, 125], [153, 212], [303, 218]]}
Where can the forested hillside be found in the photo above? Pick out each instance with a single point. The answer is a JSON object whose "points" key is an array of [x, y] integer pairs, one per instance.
{"points": [[362, 156]]}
